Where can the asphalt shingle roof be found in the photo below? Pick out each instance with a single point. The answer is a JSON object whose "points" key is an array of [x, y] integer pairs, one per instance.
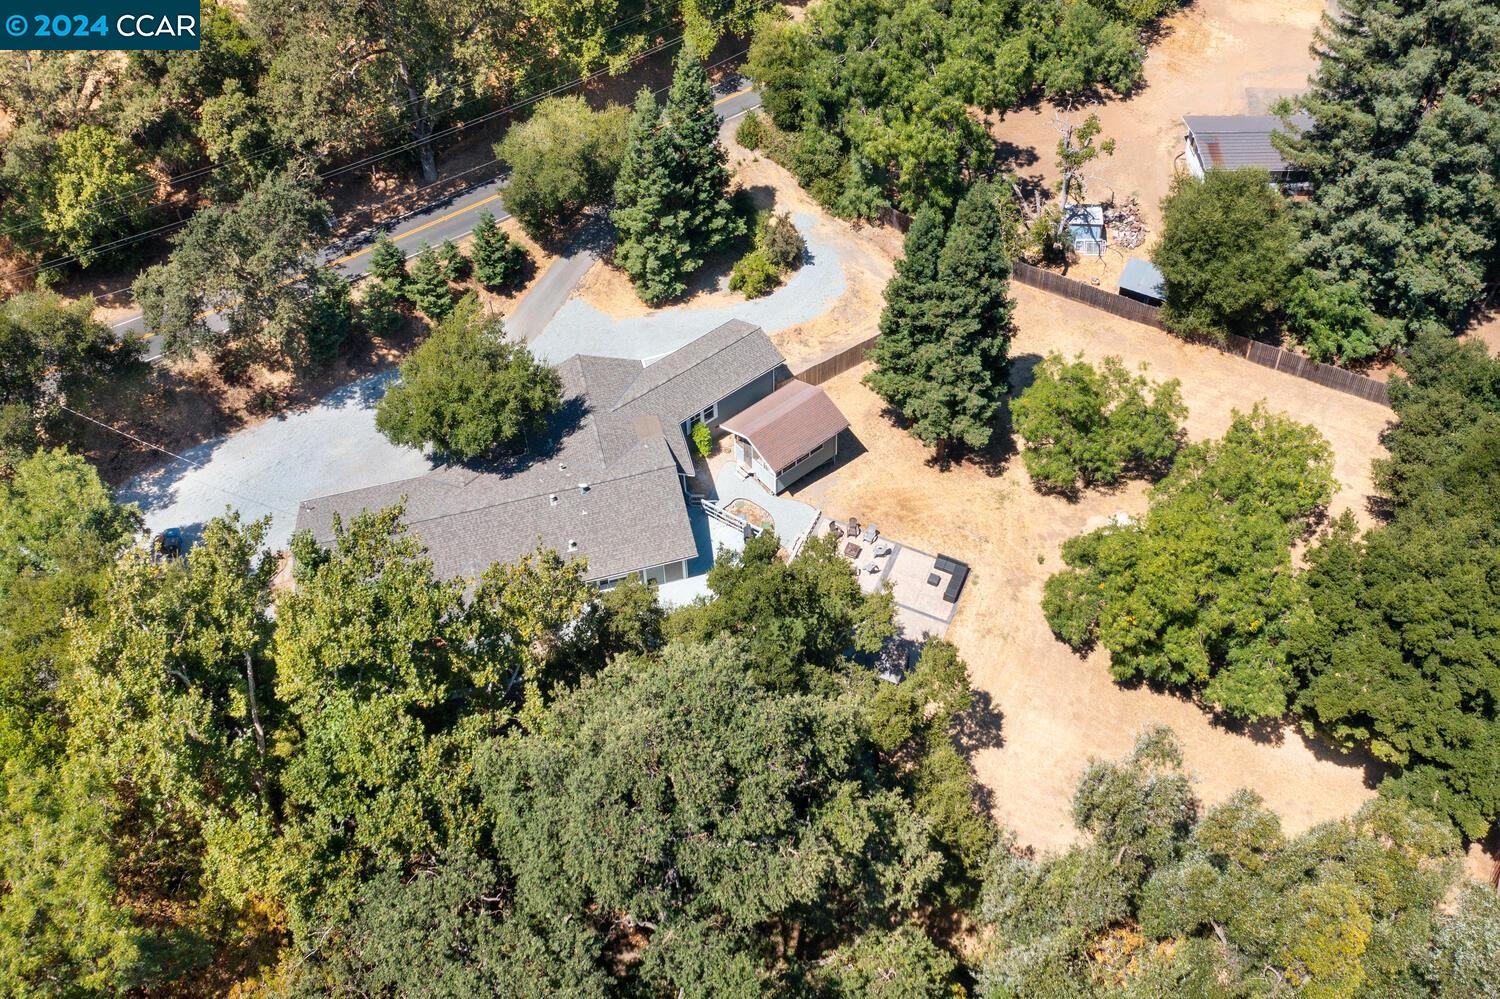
{"points": [[602, 482], [788, 423]]}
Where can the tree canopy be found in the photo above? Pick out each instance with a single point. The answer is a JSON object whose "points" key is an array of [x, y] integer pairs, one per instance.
{"points": [[1199, 592], [1404, 159], [1224, 254], [942, 359], [468, 391], [562, 159], [672, 206], [1164, 897], [1083, 426]]}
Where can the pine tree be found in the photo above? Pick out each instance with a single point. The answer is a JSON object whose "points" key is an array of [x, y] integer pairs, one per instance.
{"points": [[671, 193], [942, 358], [387, 262], [428, 285], [498, 261]]}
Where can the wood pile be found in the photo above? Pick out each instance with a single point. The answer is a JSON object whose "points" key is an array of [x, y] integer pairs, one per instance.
{"points": [[1122, 221]]}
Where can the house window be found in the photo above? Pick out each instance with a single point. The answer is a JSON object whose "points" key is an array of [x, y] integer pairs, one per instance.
{"points": [[709, 415]]}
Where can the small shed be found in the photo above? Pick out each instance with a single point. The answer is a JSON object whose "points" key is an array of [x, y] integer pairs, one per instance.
{"points": [[1231, 141], [787, 434], [1086, 229], [1142, 282]]}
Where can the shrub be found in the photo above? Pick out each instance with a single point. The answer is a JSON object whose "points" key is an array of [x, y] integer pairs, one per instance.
{"points": [[751, 132], [703, 439], [779, 240], [754, 275]]}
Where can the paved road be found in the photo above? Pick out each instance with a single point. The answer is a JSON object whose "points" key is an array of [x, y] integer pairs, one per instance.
{"points": [[451, 217]]}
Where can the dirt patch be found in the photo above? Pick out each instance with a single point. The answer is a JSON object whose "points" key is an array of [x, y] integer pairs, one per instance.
{"points": [[1215, 57], [1044, 711]]}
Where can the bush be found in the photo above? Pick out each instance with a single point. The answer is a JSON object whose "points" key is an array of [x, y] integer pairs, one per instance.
{"points": [[779, 240], [751, 132], [468, 390], [703, 439], [754, 275]]}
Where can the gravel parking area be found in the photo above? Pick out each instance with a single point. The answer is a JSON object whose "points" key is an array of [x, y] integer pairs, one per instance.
{"points": [[270, 468]]}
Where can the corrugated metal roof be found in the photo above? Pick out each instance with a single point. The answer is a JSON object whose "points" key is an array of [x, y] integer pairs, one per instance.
{"points": [[788, 423], [1142, 277], [1227, 142]]}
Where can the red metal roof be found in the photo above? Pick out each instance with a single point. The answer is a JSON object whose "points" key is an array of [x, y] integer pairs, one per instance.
{"points": [[788, 423]]}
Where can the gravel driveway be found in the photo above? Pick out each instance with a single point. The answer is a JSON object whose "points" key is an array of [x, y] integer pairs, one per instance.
{"points": [[580, 328], [270, 468]]}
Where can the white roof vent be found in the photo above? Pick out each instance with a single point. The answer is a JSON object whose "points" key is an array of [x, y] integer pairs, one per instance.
{"points": [[572, 545], [552, 499], [583, 487]]}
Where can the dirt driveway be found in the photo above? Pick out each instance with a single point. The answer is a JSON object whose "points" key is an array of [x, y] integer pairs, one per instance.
{"points": [[1049, 711], [1214, 57]]}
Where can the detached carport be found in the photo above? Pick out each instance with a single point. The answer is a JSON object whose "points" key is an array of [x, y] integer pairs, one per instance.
{"points": [[786, 435]]}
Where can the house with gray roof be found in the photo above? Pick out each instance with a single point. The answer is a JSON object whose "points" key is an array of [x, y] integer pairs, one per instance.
{"points": [[1231, 141], [604, 482]]}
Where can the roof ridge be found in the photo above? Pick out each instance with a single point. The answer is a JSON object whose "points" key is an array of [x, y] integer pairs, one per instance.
{"points": [[748, 330]]}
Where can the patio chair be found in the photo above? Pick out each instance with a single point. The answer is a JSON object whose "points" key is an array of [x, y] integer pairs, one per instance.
{"points": [[882, 549], [872, 567], [871, 533]]}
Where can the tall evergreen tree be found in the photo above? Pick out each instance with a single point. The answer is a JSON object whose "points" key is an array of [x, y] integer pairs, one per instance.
{"points": [[387, 262], [1404, 156], [672, 209], [428, 285], [943, 354], [497, 261]]}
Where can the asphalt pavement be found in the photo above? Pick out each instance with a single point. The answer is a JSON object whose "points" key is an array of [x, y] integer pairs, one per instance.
{"points": [[450, 217]]}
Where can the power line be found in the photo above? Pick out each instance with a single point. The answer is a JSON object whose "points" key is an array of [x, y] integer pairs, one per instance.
{"points": [[202, 171], [127, 240], [196, 464]]}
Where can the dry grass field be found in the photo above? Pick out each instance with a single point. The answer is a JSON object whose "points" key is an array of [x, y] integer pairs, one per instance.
{"points": [[1046, 711]]}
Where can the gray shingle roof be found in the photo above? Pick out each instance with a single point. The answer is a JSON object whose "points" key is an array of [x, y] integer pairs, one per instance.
{"points": [[618, 432], [1226, 142]]}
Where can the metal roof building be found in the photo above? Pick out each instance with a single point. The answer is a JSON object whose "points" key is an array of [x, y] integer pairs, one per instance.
{"points": [[1228, 142], [1141, 281]]}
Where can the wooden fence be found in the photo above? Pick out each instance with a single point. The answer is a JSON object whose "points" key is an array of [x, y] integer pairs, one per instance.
{"points": [[818, 371], [1264, 354]]}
